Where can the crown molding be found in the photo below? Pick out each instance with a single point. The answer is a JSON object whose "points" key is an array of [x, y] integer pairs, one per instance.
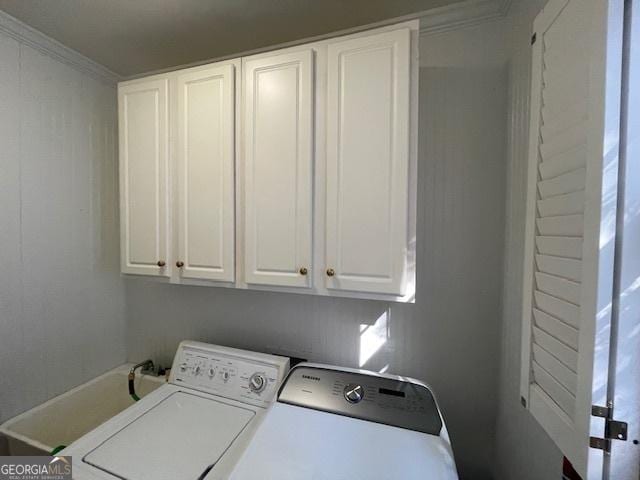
{"points": [[27, 35], [462, 14]]}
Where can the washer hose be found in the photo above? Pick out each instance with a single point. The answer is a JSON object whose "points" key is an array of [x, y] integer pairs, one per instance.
{"points": [[147, 366], [57, 449], [132, 389]]}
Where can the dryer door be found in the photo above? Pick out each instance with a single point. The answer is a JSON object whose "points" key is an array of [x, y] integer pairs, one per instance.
{"points": [[176, 439]]}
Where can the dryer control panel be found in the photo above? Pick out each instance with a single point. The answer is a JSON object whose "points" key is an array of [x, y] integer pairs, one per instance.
{"points": [[241, 375], [385, 399]]}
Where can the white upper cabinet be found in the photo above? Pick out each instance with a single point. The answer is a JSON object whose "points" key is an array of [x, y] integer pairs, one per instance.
{"points": [[290, 170], [278, 162], [143, 111], [205, 164], [367, 186]]}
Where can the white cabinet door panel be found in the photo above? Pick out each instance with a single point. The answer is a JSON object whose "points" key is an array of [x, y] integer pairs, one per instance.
{"points": [[205, 160], [367, 162], [144, 177], [278, 162]]}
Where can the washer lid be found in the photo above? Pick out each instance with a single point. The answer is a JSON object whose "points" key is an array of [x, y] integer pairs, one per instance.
{"points": [[176, 439]]}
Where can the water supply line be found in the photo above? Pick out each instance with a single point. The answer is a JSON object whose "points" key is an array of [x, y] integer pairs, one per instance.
{"points": [[147, 366]]}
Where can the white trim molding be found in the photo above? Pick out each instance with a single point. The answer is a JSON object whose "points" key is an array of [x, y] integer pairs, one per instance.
{"points": [[462, 14], [31, 37]]}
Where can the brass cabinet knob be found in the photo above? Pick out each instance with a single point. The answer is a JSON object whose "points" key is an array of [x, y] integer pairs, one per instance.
{"points": [[303, 270], [179, 264], [330, 272], [161, 263]]}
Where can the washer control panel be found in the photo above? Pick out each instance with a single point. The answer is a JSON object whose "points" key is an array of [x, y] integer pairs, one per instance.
{"points": [[367, 396], [249, 377]]}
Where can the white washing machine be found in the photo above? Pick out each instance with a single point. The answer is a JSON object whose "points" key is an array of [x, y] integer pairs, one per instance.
{"points": [[339, 424], [196, 425]]}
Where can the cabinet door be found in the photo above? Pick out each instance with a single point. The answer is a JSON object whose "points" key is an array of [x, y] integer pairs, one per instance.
{"points": [[144, 177], [206, 173], [278, 96], [367, 163]]}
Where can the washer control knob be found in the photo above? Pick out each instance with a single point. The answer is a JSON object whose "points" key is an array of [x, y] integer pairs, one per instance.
{"points": [[257, 383], [197, 369], [183, 367], [353, 393], [225, 376], [212, 372]]}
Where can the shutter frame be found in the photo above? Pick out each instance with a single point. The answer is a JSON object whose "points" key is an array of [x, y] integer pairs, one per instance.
{"points": [[602, 37]]}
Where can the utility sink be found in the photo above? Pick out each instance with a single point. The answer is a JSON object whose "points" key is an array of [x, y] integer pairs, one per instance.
{"points": [[69, 416]]}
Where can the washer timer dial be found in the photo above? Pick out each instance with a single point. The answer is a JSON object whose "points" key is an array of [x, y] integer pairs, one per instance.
{"points": [[257, 383]]}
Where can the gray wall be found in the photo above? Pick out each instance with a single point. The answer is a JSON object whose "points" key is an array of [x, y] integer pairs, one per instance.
{"points": [[524, 450], [450, 337], [61, 296]]}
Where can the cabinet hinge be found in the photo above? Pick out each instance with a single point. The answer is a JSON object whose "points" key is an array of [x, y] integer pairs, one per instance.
{"points": [[613, 429]]}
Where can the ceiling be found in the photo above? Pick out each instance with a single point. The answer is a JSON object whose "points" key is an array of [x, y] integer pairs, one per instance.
{"points": [[135, 36]]}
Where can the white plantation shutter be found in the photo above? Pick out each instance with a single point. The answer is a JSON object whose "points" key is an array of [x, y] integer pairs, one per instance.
{"points": [[568, 270]]}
